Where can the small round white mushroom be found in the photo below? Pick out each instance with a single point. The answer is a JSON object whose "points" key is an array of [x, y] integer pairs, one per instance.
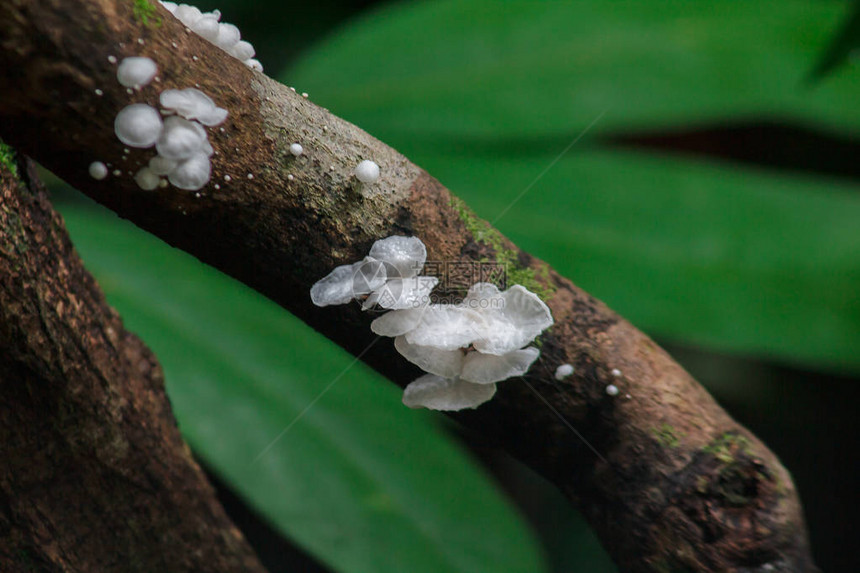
{"points": [[563, 371], [296, 149], [242, 50], [367, 171], [437, 393], [228, 36], [98, 170], [612, 390], [146, 179], [138, 125], [181, 139], [192, 173], [616, 372], [162, 165], [136, 72]]}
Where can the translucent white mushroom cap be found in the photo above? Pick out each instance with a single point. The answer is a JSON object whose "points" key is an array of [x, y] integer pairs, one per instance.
{"points": [[191, 174], [447, 327], [346, 282], [406, 254], [437, 393], [136, 72], [146, 179], [445, 363], [192, 103], [98, 170], [181, 139], [138, 125], [522, 317], [488, 368]]}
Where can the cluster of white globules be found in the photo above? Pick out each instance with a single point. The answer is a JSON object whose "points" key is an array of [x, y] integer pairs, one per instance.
{"points": [[180, 138], [465, 348], [225, 36]]}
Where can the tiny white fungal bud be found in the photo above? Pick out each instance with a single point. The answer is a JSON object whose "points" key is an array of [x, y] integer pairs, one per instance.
{"points": [[112, 59], [367, 171], [612, 390], [195, 58], [616, 372], [290, 177], [296, 149], [305, 95], [99, 92], [146, 179], [98, 170], [117, 172], [138, 125], [563, 371], [129, 91], [217, 186], [227, 178], [250, 175], [163, 183], [136, 72]]}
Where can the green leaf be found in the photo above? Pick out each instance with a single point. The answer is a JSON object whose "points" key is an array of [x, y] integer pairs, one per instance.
{"points": [[482, 68], [359, 480], [485, 95], [734, 259], [845, 42]]}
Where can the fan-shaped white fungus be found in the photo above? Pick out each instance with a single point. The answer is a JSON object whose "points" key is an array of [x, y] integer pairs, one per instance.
{"points": [[192, 103], [520, 320], [447, 327], [612, 390], [445, 394], [367, 171], [146, 179], [180, 139], [136, 72], [445, 363], [406, 254], [488, 369], [296, 149], [563, 371], [397, 293], [345, 282], [138, 125], [397, 322], [191, 174], [225, 36], [98, 170]]}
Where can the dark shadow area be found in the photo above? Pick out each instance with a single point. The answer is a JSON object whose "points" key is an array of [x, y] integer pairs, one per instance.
{"points": [[760, 143], [277, 553]]}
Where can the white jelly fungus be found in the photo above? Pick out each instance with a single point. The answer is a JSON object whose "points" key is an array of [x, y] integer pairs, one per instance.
{"points": [[296, 149], [563, 371], [208, 26], [612, 390], [192, 103], [191, 174], [138, 125], [466, 348], [136, 72], [98, 170], [181, 139], [367, 171]]}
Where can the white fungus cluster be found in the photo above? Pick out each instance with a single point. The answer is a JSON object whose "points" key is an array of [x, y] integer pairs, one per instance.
{"points": [[465, 348], [180, 139], [208, 26]]}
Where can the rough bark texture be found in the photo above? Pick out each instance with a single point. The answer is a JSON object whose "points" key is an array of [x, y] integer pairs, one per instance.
{"points": [[679, 485], [94, 475]]}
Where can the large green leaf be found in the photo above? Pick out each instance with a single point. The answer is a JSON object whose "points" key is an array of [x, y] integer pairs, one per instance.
{"points": [[359, 480], [477, 68], [485, 95], [735, 259]]}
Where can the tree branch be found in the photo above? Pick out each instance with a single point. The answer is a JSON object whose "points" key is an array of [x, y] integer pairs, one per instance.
{"points": [[94, 475], [677, 485]]}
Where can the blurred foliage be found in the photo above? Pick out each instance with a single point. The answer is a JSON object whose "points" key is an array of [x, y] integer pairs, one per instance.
{"points": [[845, 45], [485, 96], [344, 469]]}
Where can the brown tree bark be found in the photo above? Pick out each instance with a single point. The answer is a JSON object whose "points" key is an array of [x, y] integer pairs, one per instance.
{"points": [[677, 485], [94, 475]]}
